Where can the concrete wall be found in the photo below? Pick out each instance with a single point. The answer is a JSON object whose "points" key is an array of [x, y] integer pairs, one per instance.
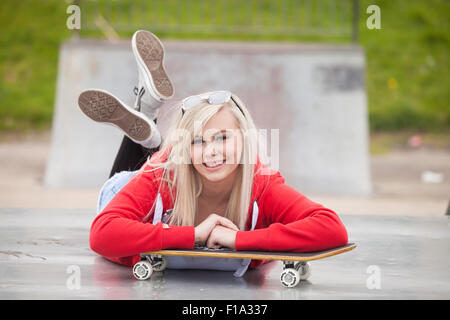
{"points": [[314, 94]]}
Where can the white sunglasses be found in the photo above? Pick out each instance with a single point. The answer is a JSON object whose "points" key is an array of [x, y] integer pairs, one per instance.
{"points": [[215, 97]]}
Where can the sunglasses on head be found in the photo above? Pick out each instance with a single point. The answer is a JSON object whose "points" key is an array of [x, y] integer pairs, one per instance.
{"points": [[214, 97]]}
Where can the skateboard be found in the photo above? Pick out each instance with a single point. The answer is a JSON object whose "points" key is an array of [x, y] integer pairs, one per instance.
{"points": [[295, 264]]}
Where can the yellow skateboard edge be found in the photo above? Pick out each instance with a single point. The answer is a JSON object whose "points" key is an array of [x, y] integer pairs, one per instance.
{"points": [[254, 256]]}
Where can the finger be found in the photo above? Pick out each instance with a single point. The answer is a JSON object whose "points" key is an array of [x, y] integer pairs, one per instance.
{"points": [[213, 245], [210, 243], [218, 219], [227, 223]]}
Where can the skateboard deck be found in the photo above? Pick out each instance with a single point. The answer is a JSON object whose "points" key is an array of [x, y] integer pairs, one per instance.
{"points": [[295, 264]]}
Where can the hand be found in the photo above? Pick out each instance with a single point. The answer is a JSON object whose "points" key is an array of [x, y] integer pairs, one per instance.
{"points": [[204, 229], [222, 237]]}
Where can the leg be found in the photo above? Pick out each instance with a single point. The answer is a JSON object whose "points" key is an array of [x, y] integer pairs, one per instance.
{"points": [[131, 156], [129, 159], [111, 187]]}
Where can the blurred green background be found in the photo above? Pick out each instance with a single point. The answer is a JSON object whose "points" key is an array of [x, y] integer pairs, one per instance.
{"points": [[407, 76]]}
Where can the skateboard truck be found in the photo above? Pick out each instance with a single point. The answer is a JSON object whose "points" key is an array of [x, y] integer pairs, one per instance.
{"points": [[294, 272], [143, 269]]}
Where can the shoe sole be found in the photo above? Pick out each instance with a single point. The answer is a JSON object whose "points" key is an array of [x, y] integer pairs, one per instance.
{"points": [[103, 107], [150, 54]]}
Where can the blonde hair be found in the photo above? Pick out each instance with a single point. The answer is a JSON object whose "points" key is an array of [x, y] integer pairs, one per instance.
{"points": [[180, 175]]}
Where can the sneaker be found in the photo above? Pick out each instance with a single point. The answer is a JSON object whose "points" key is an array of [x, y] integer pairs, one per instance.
{"points": [[154, 84], [101, 106]]}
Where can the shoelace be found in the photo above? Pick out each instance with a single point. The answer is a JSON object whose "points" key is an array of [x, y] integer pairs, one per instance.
{"points": [[139, 93]]}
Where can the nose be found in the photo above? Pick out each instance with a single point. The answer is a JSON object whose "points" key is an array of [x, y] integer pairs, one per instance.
{"points": [[210, 149]]}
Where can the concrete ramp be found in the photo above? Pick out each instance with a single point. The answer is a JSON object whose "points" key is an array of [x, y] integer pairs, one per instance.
{"points": [[313, 94]]}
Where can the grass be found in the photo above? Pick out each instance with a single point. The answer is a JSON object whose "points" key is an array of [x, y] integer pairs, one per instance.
{"points": [[407, 61], [407, 66], [386, 141], [31, 35]]}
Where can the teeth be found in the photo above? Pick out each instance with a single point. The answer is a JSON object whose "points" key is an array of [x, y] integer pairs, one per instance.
{"points": [[213, 164]]}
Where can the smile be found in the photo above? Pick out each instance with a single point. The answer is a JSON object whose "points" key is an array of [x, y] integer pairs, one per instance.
{"points": [[213, 165]]}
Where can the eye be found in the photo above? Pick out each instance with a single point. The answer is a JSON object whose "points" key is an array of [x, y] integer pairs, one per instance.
{"points": [[197, 141], [221, 138]]}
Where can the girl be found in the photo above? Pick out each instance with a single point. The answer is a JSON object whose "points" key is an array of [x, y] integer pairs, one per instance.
{"points": [[204, 185]]}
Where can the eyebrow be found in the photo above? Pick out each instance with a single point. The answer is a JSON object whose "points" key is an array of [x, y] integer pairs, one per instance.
{"points": [[214, 134]]}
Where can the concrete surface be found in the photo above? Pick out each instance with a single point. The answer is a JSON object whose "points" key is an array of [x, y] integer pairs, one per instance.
{"points": [[313, 94], [44, 254]]}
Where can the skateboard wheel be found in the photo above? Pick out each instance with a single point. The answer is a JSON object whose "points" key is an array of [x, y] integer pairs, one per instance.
{"points": [[159, 264], [304, 270], [142, 270], [290, 277]]}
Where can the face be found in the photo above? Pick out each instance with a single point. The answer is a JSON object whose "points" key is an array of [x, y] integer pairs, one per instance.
{"points": [[216, 154]]}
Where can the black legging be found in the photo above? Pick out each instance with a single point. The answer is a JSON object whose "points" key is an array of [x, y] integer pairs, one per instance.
{"points": [[131, 156]]}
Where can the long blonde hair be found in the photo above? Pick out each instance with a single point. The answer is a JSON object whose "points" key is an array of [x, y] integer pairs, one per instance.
{"points": [[181, 177]]}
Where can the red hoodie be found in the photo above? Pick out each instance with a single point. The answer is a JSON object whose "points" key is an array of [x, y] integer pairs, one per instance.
{"points": [[287, 220]]}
